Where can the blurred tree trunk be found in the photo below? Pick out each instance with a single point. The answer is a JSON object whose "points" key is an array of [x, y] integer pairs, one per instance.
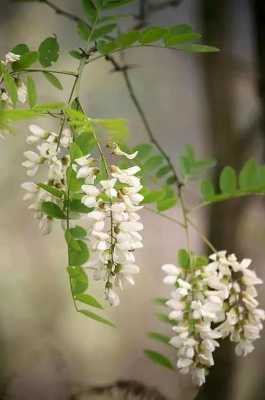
{"points": [[228, 148]]}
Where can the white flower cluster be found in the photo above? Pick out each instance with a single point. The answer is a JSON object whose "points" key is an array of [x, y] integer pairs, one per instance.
{"points": [[209, 303], [56, 160], [22, 93], [114, 224]]}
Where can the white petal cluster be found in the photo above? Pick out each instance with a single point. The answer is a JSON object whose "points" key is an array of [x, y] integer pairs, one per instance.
{"points": [[114, 224], [209, 303], [55, 160], [22, 92]]}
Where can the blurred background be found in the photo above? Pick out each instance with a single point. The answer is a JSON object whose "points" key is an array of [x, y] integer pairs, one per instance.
{"points": [[215, 102]]}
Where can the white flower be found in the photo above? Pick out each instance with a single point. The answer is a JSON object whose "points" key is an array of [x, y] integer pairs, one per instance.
{"points": [[108, 186], [90, 200], [11, 57], [119, 152], [37, 133], [112, 297], [22, 92]]}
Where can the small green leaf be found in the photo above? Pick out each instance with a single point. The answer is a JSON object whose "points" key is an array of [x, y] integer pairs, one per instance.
{"points": [[102, 31], [76, 54], [20, 49], [116, 128], [52, 210], [161, 301], [77, 256], [183, 258], [26, 60], [10, 86], [53, 80], [96, 317], [152, 34], [249, 176], [196, 48], [78, 279], [83, 30], [86, 142], [48, 51], [90, 9], [109, 4], [47, 107], [159, 337], [175, 39], [164, 318], [153, 163], [166, 203], [52, 190], [158, 358], [75, 151], [77, 206], [32, 92], [128, 39], [163, 171], [207, 190], [228, 180], [144, 150], [78, 232], [89, 300]]}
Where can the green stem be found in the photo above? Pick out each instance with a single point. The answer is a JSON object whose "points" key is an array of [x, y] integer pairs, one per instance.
{"points": [[53, 71]]}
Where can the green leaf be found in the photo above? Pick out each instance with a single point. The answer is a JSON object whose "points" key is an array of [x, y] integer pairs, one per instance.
{"points": [[207, 190], [128, 39], [150, 196], [78, 232], [176, 39], [164, 318], [159, 337], [249, 176], [116, 128], [109, 4], [89, 300], [53, 80], [144, 150], [153, 163], [83, 30], [180, 29], [77, 206], [196, 48], [161, 301], [163, 171], [90, 9], [52, 190], [20, 49], [26, 60], [102, 31], [76, 54], [47, 107], [166, 203], [75, 151], [152, 34], [86, 142], [52, 210], [32, 92], [78, 279], [10, 86], [77, 256], [228, 180], [183, 258], [96, 317], [107, 47], [48, 51], [158, 358]]}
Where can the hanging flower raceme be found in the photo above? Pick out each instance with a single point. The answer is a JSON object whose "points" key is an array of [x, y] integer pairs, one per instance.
{"points": [[22, 93], [114, 226], [55, 159], [208, 303]]}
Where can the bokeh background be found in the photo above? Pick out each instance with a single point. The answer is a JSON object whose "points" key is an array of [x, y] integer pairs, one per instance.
{"points": [[217, 103]]}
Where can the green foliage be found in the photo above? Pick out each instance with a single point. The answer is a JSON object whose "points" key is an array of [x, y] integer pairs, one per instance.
{"points": [[159, 337], [78, 232], [89, 300], [52, 190], [78, 280], [10, 85], [251, 180], [32, 92], [53, 80], [191, 167], [48, 51], [159, 359], [52, 210], [78, 252], [183, 258], [96, 317], [26, 61]]}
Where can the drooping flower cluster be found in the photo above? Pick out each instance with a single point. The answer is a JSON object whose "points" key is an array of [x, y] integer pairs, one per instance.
{"points": [[209, 303], [22, 94], [113, 224], [55, 159]]}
